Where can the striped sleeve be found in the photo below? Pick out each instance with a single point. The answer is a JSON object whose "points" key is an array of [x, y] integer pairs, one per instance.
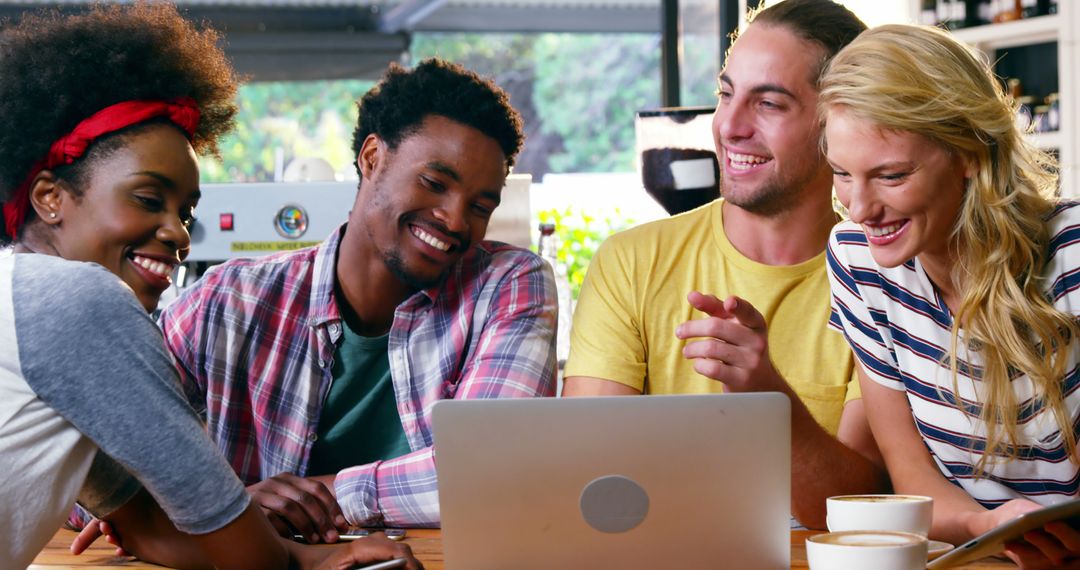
{"points": [[851, 278], [1064, 257]]}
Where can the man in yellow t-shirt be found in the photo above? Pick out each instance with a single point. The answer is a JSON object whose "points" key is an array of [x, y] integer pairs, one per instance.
{"points": [[647, 321], [638, 282]]}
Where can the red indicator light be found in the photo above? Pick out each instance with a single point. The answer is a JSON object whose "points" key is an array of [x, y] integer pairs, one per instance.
{"points": [[226, 222]]}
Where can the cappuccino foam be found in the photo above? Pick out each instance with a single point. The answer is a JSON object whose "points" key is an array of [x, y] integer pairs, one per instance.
{"points": [[881, 498], [871, 539]]}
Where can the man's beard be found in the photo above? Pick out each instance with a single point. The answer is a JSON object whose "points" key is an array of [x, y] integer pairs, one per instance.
{"points": [[776, 196], [397, 266], [767, 201]]}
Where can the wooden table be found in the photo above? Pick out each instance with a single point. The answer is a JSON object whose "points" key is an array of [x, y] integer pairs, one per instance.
{"points": [[426, 545]]}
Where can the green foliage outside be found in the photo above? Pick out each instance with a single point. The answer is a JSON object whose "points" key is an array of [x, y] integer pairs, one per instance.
{"points": [[579, 235], [588, 90], [578, 94], [295, 119], [582, 90], [490, 55]]}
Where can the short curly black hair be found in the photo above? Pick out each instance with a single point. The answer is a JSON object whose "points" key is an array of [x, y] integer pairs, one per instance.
{"points": [[401, 101], [59, 69]]}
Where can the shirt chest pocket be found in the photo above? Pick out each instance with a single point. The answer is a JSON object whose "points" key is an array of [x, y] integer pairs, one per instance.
{"points": [[825, 402]]}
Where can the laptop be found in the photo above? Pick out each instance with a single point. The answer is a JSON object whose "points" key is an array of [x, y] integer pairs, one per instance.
{"points": [[688, 481]]}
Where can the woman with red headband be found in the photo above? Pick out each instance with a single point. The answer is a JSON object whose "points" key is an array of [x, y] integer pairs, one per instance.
{"points": [[102, 115]]}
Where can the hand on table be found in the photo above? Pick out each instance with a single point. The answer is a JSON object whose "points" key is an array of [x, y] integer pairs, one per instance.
{"points": [[733, 346], [306, 505], [91, 532], [360, 552], [369, 550], [1056, 545]]}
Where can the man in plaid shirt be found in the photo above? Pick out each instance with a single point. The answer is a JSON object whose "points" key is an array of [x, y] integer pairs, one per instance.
{"points": [[316, 370]]}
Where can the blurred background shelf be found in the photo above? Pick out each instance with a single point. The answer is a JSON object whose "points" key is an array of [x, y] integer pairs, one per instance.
{"points": [[1039, 29], [1047, 141], [1043, 52]]}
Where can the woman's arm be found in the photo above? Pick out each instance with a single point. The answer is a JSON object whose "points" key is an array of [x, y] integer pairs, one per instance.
{"points": [[247, 542], [957, 517], [912, 470]]}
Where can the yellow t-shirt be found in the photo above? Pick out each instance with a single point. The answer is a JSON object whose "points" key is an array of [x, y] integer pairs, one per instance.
{"points": [[635, 295]]}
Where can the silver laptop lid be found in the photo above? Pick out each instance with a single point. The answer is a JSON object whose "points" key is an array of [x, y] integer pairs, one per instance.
{"points": [[622, 482]]}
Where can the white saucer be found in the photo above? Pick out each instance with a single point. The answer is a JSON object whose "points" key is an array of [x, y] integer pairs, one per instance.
{"points": [[936, 548]]}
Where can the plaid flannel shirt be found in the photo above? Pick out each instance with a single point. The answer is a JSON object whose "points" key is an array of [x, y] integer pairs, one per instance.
{"points": [[254, 341]]}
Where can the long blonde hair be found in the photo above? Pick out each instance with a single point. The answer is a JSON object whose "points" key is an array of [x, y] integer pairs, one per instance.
{"points": [[921, 80]]}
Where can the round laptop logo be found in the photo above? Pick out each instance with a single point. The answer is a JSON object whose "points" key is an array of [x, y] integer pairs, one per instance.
{"points": [[291, 221], [613, 504]]}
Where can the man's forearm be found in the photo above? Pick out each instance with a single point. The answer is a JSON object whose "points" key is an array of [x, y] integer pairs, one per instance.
{"points": [[822, 466]]}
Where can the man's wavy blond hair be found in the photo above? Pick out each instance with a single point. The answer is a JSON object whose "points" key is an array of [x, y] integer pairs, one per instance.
{"points": [[920, 80]]}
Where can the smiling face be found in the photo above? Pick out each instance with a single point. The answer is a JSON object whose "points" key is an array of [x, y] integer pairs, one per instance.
{"points": [[423, 204], [133, 212], [902, 188], [765, 127]]}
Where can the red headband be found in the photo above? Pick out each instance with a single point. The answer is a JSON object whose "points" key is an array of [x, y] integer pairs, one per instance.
{"points": [[182, 111]]}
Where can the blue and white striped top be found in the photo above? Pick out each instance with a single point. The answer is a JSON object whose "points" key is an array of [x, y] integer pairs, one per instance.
{"points": [[899, 329]]}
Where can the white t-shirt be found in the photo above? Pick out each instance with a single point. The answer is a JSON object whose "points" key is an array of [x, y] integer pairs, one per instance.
{"points": [[89, 394]]}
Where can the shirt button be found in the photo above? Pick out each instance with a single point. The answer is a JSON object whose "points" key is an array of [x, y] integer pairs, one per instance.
{"points": [[312, 437], [322, 362]]}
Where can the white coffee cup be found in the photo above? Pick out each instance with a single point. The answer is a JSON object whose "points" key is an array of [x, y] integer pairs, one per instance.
{"points": [[866, 550], [902, 513]]}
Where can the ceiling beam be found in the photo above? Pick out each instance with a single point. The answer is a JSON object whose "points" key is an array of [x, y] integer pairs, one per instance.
{"points": [[407, 14], [315, 55], [581, 18]]}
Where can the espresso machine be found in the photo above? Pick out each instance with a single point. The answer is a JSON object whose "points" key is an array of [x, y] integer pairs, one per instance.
{"points": [[677, 156], [255, 219]]}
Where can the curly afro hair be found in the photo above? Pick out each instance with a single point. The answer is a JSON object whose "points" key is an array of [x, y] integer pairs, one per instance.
{"points": [[401, 101], [59, 69]]}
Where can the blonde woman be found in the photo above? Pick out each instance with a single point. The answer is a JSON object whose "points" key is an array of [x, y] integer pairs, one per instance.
{"points": [[955, 283]]}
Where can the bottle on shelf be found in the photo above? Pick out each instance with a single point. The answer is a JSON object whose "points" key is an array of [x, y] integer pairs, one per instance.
{"points": [[548, 249], [1041, 119], [1006, 11], [1053, 114], [1014, 88], [959, 18], [952, 14], [980, 14], [1025, 113], [928, 13], [1029, 8], [944, 11]]}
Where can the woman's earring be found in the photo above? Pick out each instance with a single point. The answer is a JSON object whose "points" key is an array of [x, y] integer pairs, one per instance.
{"points": [[52, 215]]}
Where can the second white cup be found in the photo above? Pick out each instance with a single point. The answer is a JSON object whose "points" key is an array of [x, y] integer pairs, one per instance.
{"points": [[866, 550], [902, 513]]}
